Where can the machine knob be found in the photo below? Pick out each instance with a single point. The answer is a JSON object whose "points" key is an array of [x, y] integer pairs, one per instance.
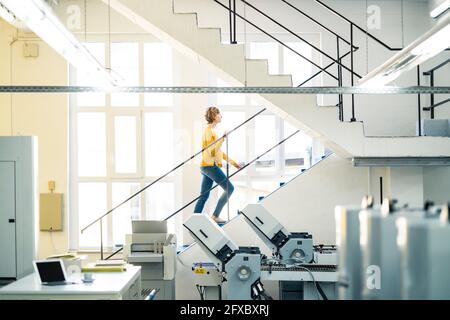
{"points": [[298, 254], [244, 273]]}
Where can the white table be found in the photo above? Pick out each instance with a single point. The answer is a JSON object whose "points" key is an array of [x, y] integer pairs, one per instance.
{"points": [[107, 285]]}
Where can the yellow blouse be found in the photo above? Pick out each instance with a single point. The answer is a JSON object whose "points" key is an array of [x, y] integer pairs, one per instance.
{"points": [[213, 155]]}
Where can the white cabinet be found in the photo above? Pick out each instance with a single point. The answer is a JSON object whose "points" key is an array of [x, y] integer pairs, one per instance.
{"points": [[107, 285], [7, 220], [18, 197]]}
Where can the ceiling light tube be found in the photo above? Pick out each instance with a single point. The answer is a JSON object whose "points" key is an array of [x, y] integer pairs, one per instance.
{"points": [[443, 7], [39, 18], [436, 40]]}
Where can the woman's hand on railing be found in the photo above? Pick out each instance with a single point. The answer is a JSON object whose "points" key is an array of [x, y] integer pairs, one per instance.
{"points": [[238, 165]]}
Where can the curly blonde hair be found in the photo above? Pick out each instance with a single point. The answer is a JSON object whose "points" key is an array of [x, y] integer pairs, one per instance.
{"points": [[211, 114]]}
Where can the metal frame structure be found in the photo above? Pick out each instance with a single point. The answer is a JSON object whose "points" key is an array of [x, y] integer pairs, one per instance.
{"points": [[242, 90]]}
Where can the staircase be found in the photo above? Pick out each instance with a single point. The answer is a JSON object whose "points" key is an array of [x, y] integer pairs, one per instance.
{"points": [[346, 139], [295, 205]]}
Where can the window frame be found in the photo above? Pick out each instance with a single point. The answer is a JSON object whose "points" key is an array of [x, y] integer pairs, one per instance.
{"points": [[112, 176]]}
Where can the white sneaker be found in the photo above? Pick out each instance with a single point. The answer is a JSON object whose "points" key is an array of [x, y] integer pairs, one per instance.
{"points": [[218, 220]]}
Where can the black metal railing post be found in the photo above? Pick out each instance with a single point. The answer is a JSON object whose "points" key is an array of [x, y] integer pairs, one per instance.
{"points": [[430, 73], [316, 48], [419, 111], [230, 17], [353, 119], [357, 27], [432, 95], [341, 110], [234, 22], [282, 43]]}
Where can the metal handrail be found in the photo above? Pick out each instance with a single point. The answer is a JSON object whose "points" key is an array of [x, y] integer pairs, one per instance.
{"points": [[318, 23], [436, 105], [318, 72], [298, 37], [358, 27], [233, 174], [277, 40], [173, 169], [213, 187], [429, 72]]}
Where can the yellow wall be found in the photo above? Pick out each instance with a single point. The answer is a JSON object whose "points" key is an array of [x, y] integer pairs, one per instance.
{"points": [[41, 115]]}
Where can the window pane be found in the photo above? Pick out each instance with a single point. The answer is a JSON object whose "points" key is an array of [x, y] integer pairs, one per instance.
{"points": [[299, 68], [129, 211], [91, 144], [87, 77], [265, 138], [267, 51], [237, 139], [229, 99], [160, 203], [125, 144], [297, 150], [91, 205], [158, 73], [125, 62], [158, 143]]}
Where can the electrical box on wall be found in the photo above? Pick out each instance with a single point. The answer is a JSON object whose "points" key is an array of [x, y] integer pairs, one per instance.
{"points": [[51, 206], [30, 50]]}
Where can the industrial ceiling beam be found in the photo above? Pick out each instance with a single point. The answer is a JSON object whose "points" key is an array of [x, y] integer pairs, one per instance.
{"points": [[242, 90], [400, 161]]}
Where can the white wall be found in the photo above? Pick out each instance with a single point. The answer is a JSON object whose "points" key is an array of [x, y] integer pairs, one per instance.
{"points": [[42, 115], [436, 184]]}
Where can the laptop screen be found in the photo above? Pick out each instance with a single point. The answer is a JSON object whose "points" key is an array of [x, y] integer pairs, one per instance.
{"points": [[50, 271]]}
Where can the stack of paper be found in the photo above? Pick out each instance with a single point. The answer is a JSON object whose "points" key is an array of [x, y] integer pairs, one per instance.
{"points": [[72, 261], [67, 255], [92, 267], [119, 262]]}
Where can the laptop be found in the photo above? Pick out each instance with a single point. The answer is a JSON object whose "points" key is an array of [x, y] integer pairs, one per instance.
{"points": [[51, 272]]}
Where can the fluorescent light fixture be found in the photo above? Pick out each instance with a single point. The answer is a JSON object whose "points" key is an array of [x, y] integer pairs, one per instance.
{"points": [[436, 40], [39, 18], [444, 6]]}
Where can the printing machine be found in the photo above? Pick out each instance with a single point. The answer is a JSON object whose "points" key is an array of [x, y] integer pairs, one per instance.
{"points": [[349, 252], [284, 245], [302, 270], [391, 252], [239, 266], [295, 260], [154, 249], [378, 240], [425, 256]]}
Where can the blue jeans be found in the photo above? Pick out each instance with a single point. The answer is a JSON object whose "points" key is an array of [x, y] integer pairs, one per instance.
{"points": [[210, 175]]}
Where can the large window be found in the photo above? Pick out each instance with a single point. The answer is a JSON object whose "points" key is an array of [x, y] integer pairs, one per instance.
{"points": [[122, 142]]}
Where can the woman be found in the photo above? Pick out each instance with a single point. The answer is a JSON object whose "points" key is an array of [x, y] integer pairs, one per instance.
{"points": [[211, 164]]}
